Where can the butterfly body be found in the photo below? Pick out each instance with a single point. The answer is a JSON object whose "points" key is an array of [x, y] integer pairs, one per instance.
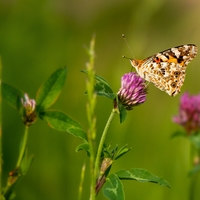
{"points": [[166, 69]]}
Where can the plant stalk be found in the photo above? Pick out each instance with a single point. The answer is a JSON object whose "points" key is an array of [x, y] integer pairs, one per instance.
{"points": [[90, 114], [23, 147], [15, 175], [102, 140], [81, 182]]}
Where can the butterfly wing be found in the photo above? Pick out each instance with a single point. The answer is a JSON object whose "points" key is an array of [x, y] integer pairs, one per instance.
{"points": [[166, 70]]}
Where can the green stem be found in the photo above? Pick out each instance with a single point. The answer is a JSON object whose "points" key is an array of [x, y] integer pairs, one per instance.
{"points": [[23, 147], [90, 114], [102, 140], [81, 182], [14, 179]]}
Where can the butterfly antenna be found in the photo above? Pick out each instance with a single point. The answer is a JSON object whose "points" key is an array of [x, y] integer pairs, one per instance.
{"points": [[128, 47], [126, 57]]}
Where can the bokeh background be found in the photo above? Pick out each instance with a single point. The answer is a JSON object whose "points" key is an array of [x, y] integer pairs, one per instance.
{"points": [[38, 37]]}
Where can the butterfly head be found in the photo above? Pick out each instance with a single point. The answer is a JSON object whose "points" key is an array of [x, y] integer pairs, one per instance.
{"points": [[134, 62]]}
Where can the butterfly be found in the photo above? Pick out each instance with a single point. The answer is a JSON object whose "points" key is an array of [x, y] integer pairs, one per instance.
{"points": [[166, 69]]}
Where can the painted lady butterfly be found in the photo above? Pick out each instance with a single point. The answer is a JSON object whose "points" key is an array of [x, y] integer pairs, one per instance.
{"points": [[166, 70]]}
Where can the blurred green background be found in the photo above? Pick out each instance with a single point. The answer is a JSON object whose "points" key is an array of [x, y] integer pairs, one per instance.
{"points": [[38, 37]]}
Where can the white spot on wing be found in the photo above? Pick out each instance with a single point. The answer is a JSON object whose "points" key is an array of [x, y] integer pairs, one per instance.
{"points": [[176, 51]]}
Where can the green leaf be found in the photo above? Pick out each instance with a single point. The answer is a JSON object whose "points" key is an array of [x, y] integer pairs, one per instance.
{"points": [[85, 147], [113, 188], [141, 175], [101, 91], [108, 151], [61, 122], [102, 87], [51, 89], [26, 162], [123, 150], [12, 95], [122, 113]]}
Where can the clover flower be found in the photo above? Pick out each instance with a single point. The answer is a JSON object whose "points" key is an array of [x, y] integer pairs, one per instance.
{"points": [[133, 90], [189, 113], [29, 110]]}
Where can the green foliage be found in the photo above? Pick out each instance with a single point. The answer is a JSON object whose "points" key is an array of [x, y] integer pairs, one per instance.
{"points": [[36, 36], [112, 185], [122, 113], [61, 122], [114, 153], [102, 88], [12, 95], [141, 175], [26, 162], [122, 151], [16, 175], [46, 96], [51, 89], [113, 188], [84, 146]]}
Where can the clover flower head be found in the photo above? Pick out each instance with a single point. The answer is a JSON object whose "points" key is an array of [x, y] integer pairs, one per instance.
{"points": [[133, 90], [189, 113], [29, 107], [29, 104]]}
